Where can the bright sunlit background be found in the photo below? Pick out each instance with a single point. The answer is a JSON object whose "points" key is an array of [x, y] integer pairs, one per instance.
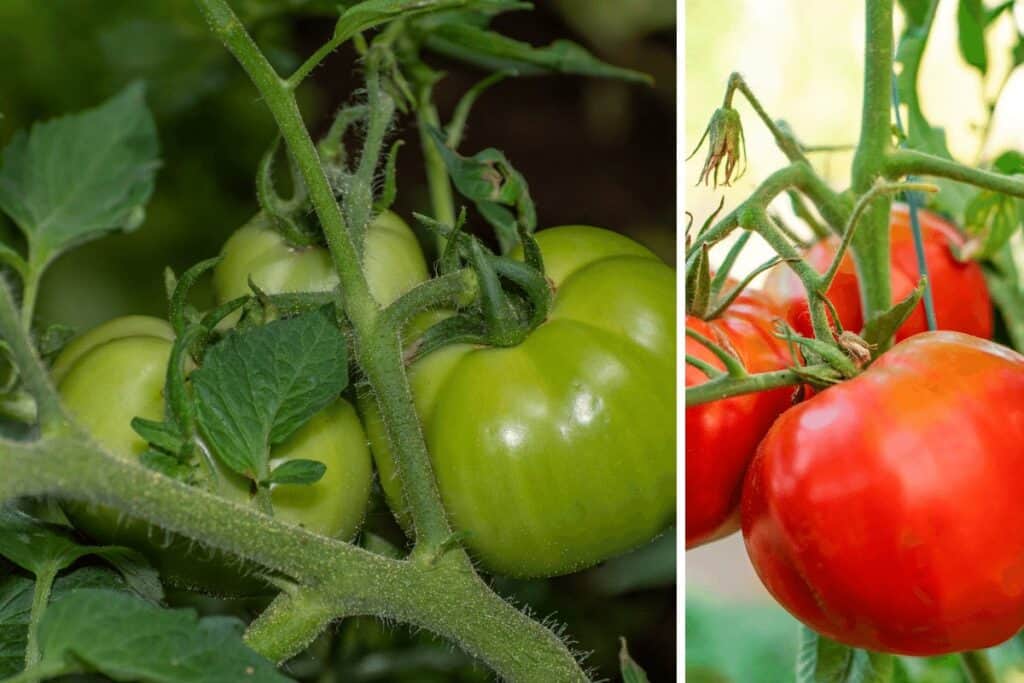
{"points": [[803, 60]]}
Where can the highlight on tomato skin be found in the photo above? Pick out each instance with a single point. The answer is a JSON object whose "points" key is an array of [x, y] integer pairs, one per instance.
{"points": [[721, 436], [885, 512], [959, 291]]}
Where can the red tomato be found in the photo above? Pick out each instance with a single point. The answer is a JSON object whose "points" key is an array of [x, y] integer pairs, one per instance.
{"points": [[961, 296], [887, 512], [721, 436]]}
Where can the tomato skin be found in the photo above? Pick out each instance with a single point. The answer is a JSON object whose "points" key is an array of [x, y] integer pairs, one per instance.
{"points": [[721, 436], [392, 261], [560, 452], [959, 290], [122, 376], [886, 511]]}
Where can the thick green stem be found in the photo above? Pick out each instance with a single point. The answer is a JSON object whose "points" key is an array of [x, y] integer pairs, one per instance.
{"points": [[441, 199], [383, 368], [290, 623], [978, 667], [789, 146], [871, 244], [445, 598], [40, 599], [33, 373], [902, 162], [724, 386], [758, 221], [439, 291]]}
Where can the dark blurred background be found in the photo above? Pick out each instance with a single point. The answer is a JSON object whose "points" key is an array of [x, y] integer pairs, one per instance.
{"points": [[595, 152]]}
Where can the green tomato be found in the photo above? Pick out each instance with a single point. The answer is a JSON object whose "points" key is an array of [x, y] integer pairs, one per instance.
{"points": [[391, 258], [560, 452], [116, 372]]}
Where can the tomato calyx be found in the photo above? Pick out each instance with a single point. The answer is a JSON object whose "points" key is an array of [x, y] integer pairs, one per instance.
{"points": [[513, 296]]}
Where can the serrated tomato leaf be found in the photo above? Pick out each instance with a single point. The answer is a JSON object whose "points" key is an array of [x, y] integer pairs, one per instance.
{"points": [[40, 547], [129, 639], [16, 607], [257, 386], [990, 219], [74, 178], [489, 180]]}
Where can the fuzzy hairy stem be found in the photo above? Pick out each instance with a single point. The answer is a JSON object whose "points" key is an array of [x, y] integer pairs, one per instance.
{"points": [[724, 386], [902, 162], [372, 340], [871, 243], [445, 598]]}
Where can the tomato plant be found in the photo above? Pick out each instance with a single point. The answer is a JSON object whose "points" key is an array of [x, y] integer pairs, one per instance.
{"points": [[116, 372], [958, 287], [721, 436], [531, 428], [863, 470], [521, 388], [881, 510]]}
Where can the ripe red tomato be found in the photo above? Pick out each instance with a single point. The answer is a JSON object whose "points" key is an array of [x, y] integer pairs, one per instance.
{"points": [[721, 436], [886, 512], [961, 296]]}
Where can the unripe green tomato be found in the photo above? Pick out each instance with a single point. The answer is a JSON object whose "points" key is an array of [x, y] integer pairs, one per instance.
{"points": [[121, 376], [391, 258], [560, 452]]}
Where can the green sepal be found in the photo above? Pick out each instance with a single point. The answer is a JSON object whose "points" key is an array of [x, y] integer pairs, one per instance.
{"points": [[390, 189], [179, 311], [631, 671], [698, 285], [881, 327], [465, 328]]}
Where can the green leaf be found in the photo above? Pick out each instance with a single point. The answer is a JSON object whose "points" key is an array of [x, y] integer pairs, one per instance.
{"points": [[915, 10], [257, 386], [492, 183], [161, 434], [16, 606], [1009, 162], [298, 472], [39, 547], [821, 660], [881, 327], [990, 219], [631, 671], [366, 15], [1018, 51], [128, 639], [496, 52], [992, 14], [971, 22], [72, 179]]}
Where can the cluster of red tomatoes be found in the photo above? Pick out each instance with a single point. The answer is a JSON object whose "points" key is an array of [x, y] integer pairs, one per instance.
{"points": [[886, 511]]}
